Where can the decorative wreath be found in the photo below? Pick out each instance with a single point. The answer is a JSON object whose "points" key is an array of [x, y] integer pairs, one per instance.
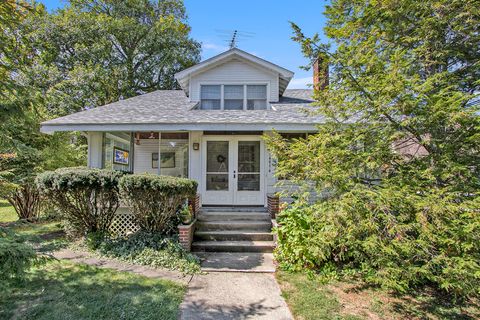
{"points": [[221, 159]]}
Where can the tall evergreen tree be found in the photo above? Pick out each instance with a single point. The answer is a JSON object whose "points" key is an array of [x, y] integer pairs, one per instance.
{"points": [[400, 150]]}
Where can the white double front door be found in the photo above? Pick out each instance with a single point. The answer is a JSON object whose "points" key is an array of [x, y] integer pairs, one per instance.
{"points": [[233, 170]]}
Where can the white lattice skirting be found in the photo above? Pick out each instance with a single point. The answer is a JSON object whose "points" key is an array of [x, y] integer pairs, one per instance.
{"points": [[123, 223]]}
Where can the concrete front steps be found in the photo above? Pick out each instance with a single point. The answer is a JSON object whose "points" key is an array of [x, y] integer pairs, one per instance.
{"points": [[233, 230]]}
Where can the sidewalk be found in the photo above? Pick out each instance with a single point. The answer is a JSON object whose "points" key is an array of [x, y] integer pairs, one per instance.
{"points": [[237, 286]]}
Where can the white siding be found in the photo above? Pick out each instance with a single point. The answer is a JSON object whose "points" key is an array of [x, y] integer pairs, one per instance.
{"points": [[143, 156], [235, 72]]}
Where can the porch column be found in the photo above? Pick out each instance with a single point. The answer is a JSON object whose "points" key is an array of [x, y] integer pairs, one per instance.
{"points": [[95, 146]]}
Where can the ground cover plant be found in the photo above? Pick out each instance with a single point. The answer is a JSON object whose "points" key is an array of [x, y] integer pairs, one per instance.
{"points": [[397, 161], [143, 248]]}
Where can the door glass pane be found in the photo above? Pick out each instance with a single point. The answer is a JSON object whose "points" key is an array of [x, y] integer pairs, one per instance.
{"points": [[249, 182], [248, 156], [248, 166], [217, 182], [217, 156], [217, 165]]}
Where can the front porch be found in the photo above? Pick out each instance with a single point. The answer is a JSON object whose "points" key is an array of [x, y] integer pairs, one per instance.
{"points": [[232, 168]]}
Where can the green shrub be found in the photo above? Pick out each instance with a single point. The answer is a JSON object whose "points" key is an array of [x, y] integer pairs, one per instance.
{"points": [[391, 237], [87, 198], [15, 255], [151, 249], [156, 200]]}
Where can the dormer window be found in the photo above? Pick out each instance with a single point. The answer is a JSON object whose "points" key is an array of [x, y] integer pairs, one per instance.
{"points": [[256, 97], [211, 97], [233, 97]]}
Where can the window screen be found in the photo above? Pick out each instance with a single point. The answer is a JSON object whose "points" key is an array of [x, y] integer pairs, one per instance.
{"points": [[210, 96], [233, 97], [256, 97]]}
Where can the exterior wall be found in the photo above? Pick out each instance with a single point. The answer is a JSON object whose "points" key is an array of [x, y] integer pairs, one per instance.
{"points": [[195, 164], [143, 156], [235, 72]]}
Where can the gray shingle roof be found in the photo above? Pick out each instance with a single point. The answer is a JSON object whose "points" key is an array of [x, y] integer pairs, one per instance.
{"points": [[174, 107]]}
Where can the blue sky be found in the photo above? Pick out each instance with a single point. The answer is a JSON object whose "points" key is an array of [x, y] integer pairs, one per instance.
{"points": [[267, 19]]}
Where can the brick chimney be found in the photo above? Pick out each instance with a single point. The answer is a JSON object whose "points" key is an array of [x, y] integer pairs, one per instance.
{"points": [[320, 72]]}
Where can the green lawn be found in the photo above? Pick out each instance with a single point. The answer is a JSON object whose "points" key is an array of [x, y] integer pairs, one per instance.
{"points": [[309, 298], [62, 290], [7, 213]]}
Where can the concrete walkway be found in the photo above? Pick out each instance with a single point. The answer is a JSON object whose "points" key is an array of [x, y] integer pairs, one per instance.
{"points": [[241, 286], [237, 286], [234, 295], [236, 262]]}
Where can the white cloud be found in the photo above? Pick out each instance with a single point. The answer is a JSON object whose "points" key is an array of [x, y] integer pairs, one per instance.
{"points": [[214, 47], [301, 83]]}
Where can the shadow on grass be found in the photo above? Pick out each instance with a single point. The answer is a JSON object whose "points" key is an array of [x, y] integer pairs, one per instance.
{"points": [[436, 304], [62, 290], [4, 204], [419, 303]]}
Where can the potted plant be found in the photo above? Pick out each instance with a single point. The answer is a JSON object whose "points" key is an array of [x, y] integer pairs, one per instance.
{"points": [[186, 215]]}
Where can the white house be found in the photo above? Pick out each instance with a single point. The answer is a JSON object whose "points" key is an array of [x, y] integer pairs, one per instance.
{"points": [[210, 131]]}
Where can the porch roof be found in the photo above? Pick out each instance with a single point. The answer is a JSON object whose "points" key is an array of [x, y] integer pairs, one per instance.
{"points": [[172, 110]]}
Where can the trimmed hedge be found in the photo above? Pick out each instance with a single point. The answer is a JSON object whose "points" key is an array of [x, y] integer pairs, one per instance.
{"points": [[88, 198], [156, 200]]}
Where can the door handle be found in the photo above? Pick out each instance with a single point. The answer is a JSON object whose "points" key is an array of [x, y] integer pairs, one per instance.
{"points": [[234, 173]]}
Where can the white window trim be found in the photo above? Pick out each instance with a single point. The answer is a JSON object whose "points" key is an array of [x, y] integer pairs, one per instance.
{"points": [[228, 83]]}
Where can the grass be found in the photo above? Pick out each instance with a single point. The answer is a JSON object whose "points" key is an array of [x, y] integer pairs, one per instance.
{"points": [[62, 290], [7, 213], [310, 298]]}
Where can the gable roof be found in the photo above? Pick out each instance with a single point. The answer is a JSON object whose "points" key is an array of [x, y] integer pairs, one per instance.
{"points": [[172, 110], [183, 77]]}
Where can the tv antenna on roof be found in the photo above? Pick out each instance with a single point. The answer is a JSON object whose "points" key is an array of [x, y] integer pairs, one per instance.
{"points": [[233, 37]]}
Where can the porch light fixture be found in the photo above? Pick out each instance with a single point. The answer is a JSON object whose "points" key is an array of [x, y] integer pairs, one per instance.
{"points": [[152, 135], [196, 146], [137, 138]]}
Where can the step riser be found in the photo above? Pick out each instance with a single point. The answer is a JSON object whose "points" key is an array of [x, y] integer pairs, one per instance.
{"points": [[233, 217], [233, 209], [238, 226], [234, 237], [219, 248]]}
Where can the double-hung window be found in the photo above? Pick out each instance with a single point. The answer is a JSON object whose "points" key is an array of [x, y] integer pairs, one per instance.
{"points": [[233, 97], [256, 97], [211, 97]]}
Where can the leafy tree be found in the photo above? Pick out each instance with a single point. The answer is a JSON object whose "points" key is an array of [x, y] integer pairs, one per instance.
{"points": [[24, 151], [399, 150], [96, 52]]}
